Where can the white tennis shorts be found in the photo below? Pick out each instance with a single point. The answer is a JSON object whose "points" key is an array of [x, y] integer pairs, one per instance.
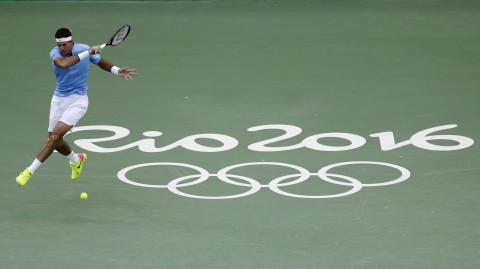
{"points": [[67, 109]]}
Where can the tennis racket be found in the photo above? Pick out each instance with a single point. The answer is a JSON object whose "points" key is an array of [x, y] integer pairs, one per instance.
{"points": [[117, 38]]}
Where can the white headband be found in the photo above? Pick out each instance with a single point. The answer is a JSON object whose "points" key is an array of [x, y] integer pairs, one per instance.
{"points": [[64, 39]]}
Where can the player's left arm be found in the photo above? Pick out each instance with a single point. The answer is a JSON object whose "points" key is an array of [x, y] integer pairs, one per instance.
{"points": [[125, 72]]}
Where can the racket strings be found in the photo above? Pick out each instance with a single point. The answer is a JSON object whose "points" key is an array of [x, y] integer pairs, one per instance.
{"points": [[120, 36]]}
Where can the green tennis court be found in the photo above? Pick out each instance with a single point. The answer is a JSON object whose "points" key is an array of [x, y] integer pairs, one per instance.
{"points": [[258, 134]]}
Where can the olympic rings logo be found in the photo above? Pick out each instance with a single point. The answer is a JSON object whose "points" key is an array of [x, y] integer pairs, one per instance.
{"points": [[274, 185]]}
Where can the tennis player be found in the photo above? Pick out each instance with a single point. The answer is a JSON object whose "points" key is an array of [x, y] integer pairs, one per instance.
{"points": [[70, 62]]}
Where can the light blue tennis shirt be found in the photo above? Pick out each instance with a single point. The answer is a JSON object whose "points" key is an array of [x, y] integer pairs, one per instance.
{"points": [[75, 78]]}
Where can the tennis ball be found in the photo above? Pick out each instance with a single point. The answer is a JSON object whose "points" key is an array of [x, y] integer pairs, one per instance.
{"points": [[84, 196]]}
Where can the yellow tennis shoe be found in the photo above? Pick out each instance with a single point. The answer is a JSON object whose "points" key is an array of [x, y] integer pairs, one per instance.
{"points": [[24, 177], [78, 166]]}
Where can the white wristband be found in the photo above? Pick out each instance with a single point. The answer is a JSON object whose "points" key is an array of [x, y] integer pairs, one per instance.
{"points": [[114, 70], [83, 55]]}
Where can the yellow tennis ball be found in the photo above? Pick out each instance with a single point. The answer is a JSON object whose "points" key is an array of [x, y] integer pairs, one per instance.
{"points": [[84, 196]]}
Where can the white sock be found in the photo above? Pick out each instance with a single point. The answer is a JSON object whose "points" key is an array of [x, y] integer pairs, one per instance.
{"points": [[73, 157], [34, 166]]}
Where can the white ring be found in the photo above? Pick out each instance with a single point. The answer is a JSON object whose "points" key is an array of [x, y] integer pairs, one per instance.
{"points": [[222, 174], [322, 173], [204, 175], [357, 186], [255, 186]]}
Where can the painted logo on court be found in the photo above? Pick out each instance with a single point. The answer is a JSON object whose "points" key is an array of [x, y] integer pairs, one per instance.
{"points": [[424, 139], [226, 175]]}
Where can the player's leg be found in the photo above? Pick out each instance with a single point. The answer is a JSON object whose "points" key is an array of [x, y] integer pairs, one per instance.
{"points": [[76, 110], [57, 108], [65, 112], [64, 148], [56, 142], [55, 139]]}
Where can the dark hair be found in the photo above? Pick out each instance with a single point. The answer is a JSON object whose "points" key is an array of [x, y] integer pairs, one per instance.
{"points": [[63, 32]]}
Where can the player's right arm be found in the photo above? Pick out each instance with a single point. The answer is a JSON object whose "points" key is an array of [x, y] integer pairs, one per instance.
{"points": [[68, 62]]}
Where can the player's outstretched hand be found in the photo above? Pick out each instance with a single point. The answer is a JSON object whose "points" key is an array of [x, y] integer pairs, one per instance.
{"points": [[127, 73]]}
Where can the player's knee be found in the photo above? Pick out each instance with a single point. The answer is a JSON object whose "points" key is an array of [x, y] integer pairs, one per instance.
{"points": [[55, 138]]}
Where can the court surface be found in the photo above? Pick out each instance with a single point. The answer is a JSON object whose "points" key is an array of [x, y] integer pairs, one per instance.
{"points": [[258, 134]]}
